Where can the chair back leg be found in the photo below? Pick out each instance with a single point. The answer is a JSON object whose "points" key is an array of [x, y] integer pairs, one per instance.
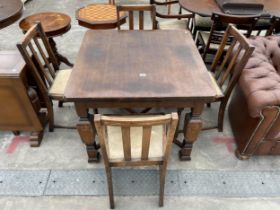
{"points": [[110, 186], [50, 118], [221, 116], [162, 171]]}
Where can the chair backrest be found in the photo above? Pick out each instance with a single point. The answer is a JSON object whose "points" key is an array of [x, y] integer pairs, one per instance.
{"points": [[169, 15], [39, 57], [275, 26], [220, 21], [228, 67], [140, 9], [167, 123], [225, 19]]}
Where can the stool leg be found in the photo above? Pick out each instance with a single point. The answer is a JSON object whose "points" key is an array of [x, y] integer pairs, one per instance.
{"points": [[60, 58]]}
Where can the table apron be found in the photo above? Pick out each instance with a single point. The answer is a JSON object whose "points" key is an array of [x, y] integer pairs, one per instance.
{"points": [[82, 107]]}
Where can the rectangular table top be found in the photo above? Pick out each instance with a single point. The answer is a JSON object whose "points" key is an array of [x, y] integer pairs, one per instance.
{"points": [[139, 65]]}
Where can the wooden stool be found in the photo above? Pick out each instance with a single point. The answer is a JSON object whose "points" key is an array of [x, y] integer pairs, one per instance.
{"points": [[99, 16], [54, 24]]}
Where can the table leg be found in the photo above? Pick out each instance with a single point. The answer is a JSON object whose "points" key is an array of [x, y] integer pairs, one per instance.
{"points": [[87, 133], [60, 58], [193, 125]]}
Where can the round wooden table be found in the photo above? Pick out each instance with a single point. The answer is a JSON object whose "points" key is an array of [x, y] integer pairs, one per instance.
{"points": [[54, 24], [10, 11], [99, 16], [207, 7]]}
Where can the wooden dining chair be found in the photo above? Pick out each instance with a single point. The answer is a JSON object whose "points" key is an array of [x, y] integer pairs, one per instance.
{"points": [[135, 141], [140, 9], [274, 26], [210, 41], [174, 21], [227, 68], [40, 59]]}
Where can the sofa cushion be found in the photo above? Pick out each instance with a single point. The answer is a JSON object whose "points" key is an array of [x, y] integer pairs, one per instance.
{"points": [[260, 79]]}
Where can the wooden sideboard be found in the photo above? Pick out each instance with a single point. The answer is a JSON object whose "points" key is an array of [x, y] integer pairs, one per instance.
{"points": [[20, 108]]}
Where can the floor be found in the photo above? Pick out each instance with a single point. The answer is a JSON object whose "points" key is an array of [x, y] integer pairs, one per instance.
{"points": [[63, 149]]}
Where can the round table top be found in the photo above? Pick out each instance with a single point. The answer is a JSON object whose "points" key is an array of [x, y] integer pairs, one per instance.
{"points": [[54, 23], [99, 16], [207, 7], [10, 11]]}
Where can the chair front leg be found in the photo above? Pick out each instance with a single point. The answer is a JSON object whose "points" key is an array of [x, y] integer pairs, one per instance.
{"points": [[110, 186], [162, 170]]}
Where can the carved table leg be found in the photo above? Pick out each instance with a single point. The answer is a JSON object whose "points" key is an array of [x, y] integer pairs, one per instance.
{"points": [[193, 125], [87, 132], [60, 58]]}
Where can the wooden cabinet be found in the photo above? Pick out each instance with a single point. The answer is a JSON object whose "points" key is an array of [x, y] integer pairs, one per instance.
{"points": [[20, 108]]}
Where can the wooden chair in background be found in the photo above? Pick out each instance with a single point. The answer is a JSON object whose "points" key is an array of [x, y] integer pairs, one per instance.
{"points": [[175, 21], [140, 9], [274, 26], [40, 59], [227, 68], [210, 41], [135, 141]]}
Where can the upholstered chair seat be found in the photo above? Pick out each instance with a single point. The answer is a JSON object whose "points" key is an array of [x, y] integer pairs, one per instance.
{"points": [[59, 83], [115, 146]]}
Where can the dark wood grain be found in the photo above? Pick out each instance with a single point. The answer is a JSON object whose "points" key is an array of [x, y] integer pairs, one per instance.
{"points": [[10, 11], [133, 66], [207, 7]]}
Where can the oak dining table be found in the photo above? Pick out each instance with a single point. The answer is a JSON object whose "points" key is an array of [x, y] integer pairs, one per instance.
{"points": [[207, 7], [139, 69]]}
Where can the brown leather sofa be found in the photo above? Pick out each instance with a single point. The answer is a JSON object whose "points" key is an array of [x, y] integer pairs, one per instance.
{"points": [[254, 111]]}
